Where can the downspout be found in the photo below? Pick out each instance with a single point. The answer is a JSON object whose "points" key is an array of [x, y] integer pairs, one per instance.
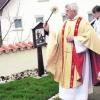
{"points": [[1, 42]]}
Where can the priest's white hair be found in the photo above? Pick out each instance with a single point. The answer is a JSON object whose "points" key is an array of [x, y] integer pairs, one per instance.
{"points": [[72, 6]]}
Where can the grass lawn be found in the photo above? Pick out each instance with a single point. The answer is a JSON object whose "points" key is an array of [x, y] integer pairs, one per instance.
{"points": [[29, 89]]}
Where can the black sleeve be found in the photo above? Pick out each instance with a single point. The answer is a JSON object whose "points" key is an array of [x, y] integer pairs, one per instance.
{"points": [[92, 23], [46, 32]]}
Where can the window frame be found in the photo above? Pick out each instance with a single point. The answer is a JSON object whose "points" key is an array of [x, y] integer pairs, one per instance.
{"points": [[21, 26], [63, 15], [90, 16], [39, 16], [43, 0]]}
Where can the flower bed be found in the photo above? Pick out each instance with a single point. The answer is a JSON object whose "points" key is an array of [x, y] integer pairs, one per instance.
{"points": [[21, 75]]}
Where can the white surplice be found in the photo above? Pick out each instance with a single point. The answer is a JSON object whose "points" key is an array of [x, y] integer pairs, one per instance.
{"points": [[81, 92], [96, 26]]}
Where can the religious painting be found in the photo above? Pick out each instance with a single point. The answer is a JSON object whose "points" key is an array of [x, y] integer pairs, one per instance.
{"points": [[39, 37]]}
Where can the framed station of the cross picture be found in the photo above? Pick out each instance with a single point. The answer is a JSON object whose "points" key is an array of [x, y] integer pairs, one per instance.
{"points": [[39, 38]]}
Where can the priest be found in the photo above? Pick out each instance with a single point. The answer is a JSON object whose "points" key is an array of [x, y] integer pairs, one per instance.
{"points": [[73, 55]]}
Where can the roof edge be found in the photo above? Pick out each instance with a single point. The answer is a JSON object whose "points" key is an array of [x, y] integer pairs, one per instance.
{"points": [[1, 8]]}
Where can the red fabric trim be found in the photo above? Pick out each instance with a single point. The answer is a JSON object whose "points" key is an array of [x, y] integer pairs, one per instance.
{"points": [[77, 59]]}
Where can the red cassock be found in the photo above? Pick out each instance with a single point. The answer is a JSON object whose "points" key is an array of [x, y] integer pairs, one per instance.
{"points": [[78, 59], [95, 65]]}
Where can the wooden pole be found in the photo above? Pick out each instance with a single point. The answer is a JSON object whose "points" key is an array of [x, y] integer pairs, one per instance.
{"points": [[40, 61]]}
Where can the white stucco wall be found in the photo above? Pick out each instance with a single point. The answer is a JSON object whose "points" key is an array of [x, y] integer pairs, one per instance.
{"points": [[19, 61], [29, 9]]}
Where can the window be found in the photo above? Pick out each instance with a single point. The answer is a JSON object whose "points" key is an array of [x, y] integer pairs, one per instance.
{"points": [[90, 17], [63, 17], [43, 0], [18, 23], [39, 19]]}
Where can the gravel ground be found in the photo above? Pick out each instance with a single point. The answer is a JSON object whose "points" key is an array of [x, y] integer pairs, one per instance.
{"points": [[96, 94]]}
